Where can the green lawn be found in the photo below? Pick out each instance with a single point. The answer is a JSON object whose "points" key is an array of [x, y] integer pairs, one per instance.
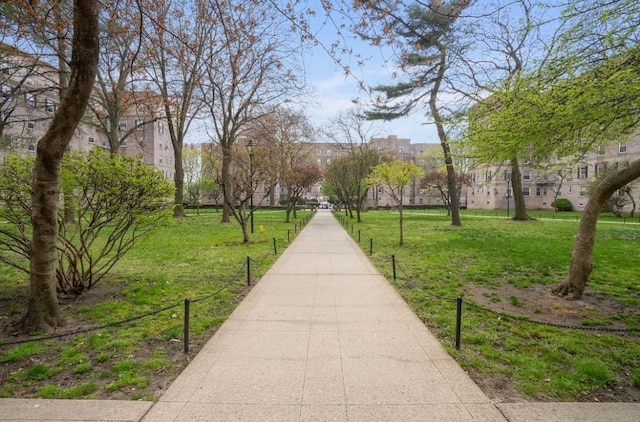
{"points": [[503, 268], [196, 257]]}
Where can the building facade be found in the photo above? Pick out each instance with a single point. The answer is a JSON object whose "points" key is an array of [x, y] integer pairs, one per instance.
{"points": [[30, 97], [542, 183]]}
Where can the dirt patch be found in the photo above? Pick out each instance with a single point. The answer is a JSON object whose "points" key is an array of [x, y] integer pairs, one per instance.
{"points": [[158, 380], [536, 303]]}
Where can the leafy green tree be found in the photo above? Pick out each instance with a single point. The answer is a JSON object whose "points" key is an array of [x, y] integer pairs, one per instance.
{"points": [[394, 176], [117, 200], [584, 93]]}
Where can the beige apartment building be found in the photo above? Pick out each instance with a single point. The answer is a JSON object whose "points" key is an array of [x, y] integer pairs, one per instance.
{"points": [[30, 97], [392, 147], [544, 182]]}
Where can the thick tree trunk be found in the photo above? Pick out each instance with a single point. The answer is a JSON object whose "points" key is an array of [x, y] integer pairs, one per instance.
{"points": [[581, 259], [43, 313], [520, 209]]}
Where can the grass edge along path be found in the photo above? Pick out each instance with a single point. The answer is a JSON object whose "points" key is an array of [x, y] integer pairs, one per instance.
{"points": [[126, 338], [509, 268]]}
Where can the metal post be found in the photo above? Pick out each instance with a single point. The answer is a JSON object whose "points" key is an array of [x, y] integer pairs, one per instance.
{"points": [[359, 235], [288, 236], [187, 302], [370, 246], [393, 262], [248, 271], [458, 321], [275, 247]]}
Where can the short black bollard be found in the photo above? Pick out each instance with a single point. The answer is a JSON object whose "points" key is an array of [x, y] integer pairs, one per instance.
{"points": [[288, 236], [393, 262], [275, 247], [248, 271], [458, 321], [359, 233], [187, 302], [370, 246], [352, 230]]}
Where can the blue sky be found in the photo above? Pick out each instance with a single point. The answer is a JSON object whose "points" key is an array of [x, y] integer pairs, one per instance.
{"points": [[334, 92]]}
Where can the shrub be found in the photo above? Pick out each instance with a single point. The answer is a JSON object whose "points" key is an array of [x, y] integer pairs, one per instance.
{"points": [[562, 204], [115, 201]]}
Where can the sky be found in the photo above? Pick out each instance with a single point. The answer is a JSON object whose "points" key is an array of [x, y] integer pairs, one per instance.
{"points": [[334, 92]]}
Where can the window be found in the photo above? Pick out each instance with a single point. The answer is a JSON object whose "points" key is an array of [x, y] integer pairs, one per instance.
{"points": [[32, 100], [401, 149], [160, 144], [622, 148], [507, 175], [538, 191], [31, 144], [526, 175], [570, 189], [123, 143], [601, 150], [487, 176], [583, 172], [318, 152], [583, 191], [161, 127], [328, 161], [122, 125], [526, 192], [92, 139], [319, 161], [31, 124], [49, 106], [599, 168], [328, 152], [139, 124], [160, 159]]}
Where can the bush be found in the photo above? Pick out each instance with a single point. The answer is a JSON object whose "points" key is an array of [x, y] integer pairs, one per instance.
{"points": [[562, 204], [115, 201]]}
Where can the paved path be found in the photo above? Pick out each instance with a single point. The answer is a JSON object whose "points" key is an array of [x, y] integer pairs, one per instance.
{"points": [[322, 337]]}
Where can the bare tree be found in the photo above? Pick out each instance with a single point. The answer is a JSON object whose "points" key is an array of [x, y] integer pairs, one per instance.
{"points": [[249, 66], [176, 34]]}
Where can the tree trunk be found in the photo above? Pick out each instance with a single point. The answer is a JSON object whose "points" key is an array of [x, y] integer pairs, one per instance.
{"points": [[520, 209], [444, 142], [226, 186], [43, 313], [581, 259], [178, 209], [401, 223]]}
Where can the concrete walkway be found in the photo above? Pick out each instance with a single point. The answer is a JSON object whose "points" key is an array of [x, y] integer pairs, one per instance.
{"points": [[322, 337]]}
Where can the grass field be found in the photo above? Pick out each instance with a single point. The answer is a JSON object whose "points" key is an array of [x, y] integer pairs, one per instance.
{"points": [[197, 258], [504, 270]]}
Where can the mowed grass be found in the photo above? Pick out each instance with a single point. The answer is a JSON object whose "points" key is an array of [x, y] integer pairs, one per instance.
{"points": [[509, 268], [195, 257]]}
